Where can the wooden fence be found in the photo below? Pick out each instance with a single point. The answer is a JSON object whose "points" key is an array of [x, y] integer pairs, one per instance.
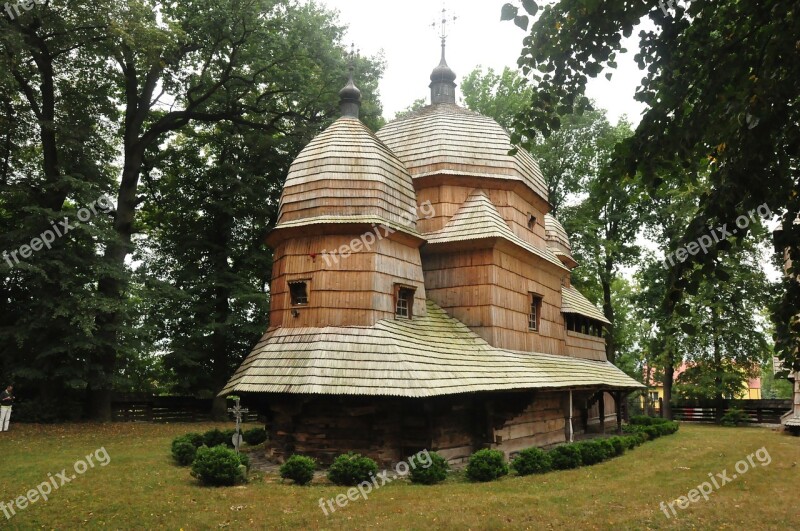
{"points": [[758, 411], [165, 409]]}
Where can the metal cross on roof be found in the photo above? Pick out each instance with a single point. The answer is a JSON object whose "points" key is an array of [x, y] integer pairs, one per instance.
{"points": [[442, 25]]}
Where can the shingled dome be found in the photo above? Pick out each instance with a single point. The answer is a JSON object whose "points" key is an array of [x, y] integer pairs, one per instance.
{"points": [[448, 139], [346, 173]]}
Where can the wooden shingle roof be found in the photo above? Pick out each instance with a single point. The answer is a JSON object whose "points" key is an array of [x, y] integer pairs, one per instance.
{"points": [[573, 301], [347, 171], [478, 218], [448, 139], [430, 355]]}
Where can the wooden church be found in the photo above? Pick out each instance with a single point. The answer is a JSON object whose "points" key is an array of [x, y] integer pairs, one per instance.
{"points": [[421, 297]]}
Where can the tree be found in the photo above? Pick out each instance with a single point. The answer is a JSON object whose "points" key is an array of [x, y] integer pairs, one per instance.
{"points": [[719, 88], [212, 197], [605, 224], [98, 92]]}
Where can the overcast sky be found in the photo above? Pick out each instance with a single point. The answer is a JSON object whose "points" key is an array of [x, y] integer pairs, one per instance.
{"points": [[411, 47]]}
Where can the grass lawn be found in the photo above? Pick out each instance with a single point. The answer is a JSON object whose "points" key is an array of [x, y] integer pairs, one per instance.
{"points": [[141, 488]]}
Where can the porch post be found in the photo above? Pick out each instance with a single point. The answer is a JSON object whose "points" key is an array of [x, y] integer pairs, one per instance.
{"points": [[601, 404], [569, 425], [618, 403]]}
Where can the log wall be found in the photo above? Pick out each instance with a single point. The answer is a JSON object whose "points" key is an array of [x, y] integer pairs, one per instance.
{"points": [[585, 346], [446, 199], [355, 289]]}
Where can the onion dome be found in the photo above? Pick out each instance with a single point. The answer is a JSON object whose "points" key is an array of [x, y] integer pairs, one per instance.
{"points": [[350, 96], [446, 139], [558, 241], [443, 86], [347, 175]]}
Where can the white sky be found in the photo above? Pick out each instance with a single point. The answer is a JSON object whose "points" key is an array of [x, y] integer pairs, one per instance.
{"points": [[411, 47]]}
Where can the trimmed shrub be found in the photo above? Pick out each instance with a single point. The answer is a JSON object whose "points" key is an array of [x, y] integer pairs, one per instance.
{"points": [[299, 469], [214, 437], [486, 465], [350, 469], [653, 432], [619, 444], [228, 435], [436, 472], [734, 417], [642, 420], [183, 450], [565, 457], [255, 436], [592, 451], [218, 466], [195, 438], [532, 461]]}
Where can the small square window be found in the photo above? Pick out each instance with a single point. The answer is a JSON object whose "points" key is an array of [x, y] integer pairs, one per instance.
{"points": [[299, 293], [535, 313], [404, 302], [531, 221]]}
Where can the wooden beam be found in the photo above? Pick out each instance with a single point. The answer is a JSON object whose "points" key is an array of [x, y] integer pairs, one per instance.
{"points": [[618, 404], [601, 404]]}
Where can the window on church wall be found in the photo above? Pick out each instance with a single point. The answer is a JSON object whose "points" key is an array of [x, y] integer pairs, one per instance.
{"points": [[531, 221], [535, 313], [298, 291], [404, 302]]}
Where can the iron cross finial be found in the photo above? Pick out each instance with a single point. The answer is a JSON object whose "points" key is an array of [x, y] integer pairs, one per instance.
{"points": [[442, 25]]}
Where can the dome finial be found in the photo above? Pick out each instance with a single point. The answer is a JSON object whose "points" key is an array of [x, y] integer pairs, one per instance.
{"points": [[443, 86], [350, 95]]}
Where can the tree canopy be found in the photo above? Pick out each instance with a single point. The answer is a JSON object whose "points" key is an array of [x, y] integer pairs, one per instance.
{"points": [[720, 86]]}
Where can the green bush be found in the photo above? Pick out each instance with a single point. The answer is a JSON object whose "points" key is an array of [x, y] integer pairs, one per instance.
{"points": [[592, 451], [183, 450], [228, 435], [214, 437], [436, 472], [619, 444], [255, 436], [641, 420], [734, 417], [565, 457], [350, 469], [653, 432], [532, 461], [218, 466], [299, 469], [486, 465], [195, 438]]}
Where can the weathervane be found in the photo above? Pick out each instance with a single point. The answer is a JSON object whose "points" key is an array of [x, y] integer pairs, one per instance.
{"points": [[442, 25]]}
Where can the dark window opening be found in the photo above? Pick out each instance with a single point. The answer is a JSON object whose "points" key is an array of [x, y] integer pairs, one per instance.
{"points": [[583, 325], [404, 302], [299, 293], [535, 314], [531, 221]]}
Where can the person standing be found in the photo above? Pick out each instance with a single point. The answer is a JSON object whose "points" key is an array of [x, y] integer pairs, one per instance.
{"points": [[6, 398]]}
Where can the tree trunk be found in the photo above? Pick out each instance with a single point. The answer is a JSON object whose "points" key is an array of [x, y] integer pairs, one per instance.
{"points": [[608, 311], [669, 371]]}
